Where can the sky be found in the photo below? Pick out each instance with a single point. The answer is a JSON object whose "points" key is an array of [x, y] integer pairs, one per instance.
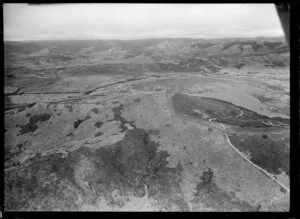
{"points": [[138, 21]]}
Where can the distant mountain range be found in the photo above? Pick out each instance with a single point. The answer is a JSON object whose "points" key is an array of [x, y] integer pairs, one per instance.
{"points": [[154, 55]]}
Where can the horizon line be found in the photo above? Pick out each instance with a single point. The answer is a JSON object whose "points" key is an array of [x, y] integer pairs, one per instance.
{"points": [[128, 39]]}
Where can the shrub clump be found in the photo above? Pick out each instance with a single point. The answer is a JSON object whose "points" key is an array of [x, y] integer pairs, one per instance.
{"points": [[265, 136], [79, 121], [98, 134], [39, 118], [98, 124], [33, 120], [69, 107], [95, 110]]}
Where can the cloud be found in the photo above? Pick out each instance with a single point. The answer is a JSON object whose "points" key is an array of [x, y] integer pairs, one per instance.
{"points": [[127, 21]]}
